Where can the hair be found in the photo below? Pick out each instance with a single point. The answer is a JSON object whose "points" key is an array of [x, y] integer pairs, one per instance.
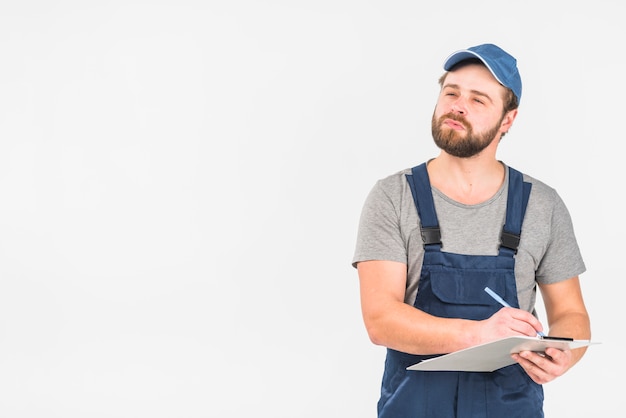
{"points": [[510, 101]]}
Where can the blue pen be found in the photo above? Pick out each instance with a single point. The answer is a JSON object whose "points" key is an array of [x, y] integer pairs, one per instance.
{"points": [[503, 303]]}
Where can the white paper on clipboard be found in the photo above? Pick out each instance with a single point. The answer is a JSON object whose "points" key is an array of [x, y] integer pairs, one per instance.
{"points": [[494, 355]]}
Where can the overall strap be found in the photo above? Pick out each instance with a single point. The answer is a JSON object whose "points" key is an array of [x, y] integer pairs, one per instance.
{"points": [[423, 198], [517, 200]]}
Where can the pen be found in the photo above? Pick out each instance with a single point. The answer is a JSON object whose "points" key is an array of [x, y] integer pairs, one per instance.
{"points": [[503, 303]]}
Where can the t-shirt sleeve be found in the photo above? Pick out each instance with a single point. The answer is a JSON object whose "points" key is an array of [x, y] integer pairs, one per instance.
{"points": [[379, 235], [562, 259]]}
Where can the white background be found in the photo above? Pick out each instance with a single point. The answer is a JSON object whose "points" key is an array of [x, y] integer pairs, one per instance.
{"points": [[181, 181]]}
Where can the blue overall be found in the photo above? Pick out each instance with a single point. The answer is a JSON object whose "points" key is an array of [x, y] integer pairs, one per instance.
{"points": [[452, 286]]}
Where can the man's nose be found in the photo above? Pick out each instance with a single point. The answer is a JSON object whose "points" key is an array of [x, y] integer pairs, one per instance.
{"points": [[459, 107]]}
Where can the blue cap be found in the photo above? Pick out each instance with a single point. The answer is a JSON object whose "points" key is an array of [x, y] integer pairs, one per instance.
{"points": [[502, 65]]}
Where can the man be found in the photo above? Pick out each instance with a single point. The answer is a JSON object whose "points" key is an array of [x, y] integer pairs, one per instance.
{"points": [[433, 237]]}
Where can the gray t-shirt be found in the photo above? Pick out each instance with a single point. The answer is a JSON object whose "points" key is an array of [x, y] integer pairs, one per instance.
{"points": [[548, 251]]}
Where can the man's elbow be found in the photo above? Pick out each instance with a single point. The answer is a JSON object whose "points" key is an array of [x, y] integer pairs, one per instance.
{"points": [[376, 332]]}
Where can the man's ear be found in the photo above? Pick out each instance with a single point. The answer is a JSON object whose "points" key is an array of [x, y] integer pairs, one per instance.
{"points": [[507, 121]]}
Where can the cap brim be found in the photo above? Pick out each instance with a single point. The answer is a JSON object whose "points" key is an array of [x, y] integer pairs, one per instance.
{"points": [[464, 54], [459, 56]]}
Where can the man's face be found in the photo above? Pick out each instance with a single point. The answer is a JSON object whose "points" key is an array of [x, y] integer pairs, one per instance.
{"points": [[468, 116]]}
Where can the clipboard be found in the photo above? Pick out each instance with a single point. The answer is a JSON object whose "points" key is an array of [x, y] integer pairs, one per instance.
{"points": [[495, 355]]}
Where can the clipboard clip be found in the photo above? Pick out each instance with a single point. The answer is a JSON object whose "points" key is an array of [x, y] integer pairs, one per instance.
{"points": [[545, 337]]}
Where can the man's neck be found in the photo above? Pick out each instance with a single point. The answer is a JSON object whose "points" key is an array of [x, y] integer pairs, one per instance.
{"points": [[466, 180]]}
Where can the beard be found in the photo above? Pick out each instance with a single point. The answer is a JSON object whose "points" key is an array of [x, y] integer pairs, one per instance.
{"points": [[454, 143]]}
